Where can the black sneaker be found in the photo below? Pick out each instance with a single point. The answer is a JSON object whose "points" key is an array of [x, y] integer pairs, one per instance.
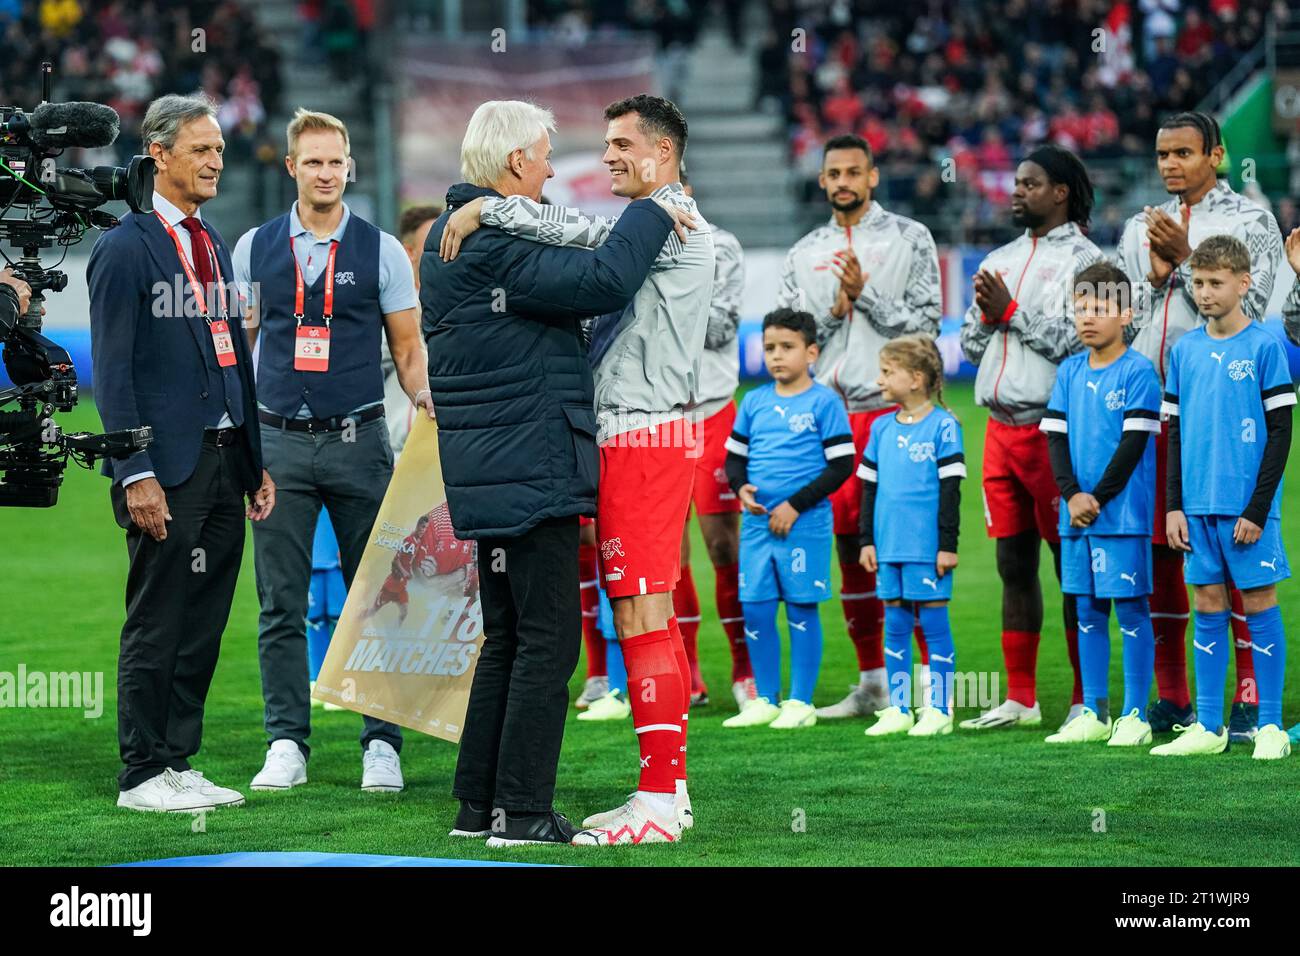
{"points": [[1163, 714], [472, 821], [534, 828], [1242, 723]]}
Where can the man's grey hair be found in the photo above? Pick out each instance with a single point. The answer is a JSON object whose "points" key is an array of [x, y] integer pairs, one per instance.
{"points": [[167, 114], [497, 129]]}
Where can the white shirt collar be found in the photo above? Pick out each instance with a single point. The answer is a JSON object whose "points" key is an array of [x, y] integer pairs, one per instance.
{"points": [[296, 228], [170, 212]]}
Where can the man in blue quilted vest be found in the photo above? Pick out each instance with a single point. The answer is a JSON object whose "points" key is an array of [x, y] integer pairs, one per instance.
{"points": [[321, 286]]}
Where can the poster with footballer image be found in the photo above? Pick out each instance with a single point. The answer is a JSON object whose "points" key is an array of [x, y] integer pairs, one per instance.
{"points": [[406, 644]]}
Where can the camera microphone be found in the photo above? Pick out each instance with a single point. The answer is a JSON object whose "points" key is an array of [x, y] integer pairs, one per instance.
{"points": [[62, 125]]}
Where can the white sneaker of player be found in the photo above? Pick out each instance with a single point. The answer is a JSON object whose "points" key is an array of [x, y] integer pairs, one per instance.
{"points": [[221, 796], [284, 767], [794, 713], [611, 706], [166, 792], [860, 702], [632, 824], [1009, 713], [743, 690], [1075, 711], [593, 690], [381, 768]]}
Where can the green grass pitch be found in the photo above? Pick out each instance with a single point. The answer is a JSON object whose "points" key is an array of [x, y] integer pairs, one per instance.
{"points": [[822, 796]]}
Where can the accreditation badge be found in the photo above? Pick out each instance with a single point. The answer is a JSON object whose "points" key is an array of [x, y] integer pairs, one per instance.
{"points": [[311, 351]]}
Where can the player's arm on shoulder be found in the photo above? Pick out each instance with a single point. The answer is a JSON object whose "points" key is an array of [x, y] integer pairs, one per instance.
{"points": [[552, 225], [548, 280]]}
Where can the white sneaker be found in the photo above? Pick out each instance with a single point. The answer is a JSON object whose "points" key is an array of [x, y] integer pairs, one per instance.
{"points": [[1074, 711], [860, 702], [166, 792], [381, 768], [592, 691], [794, 713], [755, 713], [221, 796], [612, 706], [743, 690], [1009, 713], [285, 767], [685, 816], [631, 824]]}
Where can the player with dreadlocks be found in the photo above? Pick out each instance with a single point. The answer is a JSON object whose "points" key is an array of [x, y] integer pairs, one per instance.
{"points": [[1017, 336], [1154, 252]]}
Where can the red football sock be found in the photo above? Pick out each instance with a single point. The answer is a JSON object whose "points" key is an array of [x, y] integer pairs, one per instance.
{"points": [[1247, 690], [863, 613], [923, 648], [1020, 651], [1072, 649], [657, 691], [678, 635], [686, 611], [592, 639], [726, 592], [1169, 615]]}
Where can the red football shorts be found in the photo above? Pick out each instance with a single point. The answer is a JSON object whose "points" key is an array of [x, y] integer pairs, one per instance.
{"points": [[1019, 490], [712, 494], [393, 592], [846, 500], [1162, 471], [641, 505]]}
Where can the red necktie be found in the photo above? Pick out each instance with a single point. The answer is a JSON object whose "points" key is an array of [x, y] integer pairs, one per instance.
{"points": [[199, 253]]}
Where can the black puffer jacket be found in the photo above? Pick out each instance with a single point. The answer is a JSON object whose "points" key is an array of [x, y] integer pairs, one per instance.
{"points": [[508, 368]]}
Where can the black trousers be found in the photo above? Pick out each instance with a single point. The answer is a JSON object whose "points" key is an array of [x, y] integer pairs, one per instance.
{"points": [[178, 594], [532, 623]]}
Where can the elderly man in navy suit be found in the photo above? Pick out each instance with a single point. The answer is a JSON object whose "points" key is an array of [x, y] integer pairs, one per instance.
{"points": [[168, 351]]}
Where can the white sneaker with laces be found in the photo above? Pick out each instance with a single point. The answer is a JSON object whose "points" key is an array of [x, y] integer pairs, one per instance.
{"points": [[285, 767], [221, 796], [166, 792], [633, 823], [794, 713], [1009, 713], [1074, 711], [381, 768]]}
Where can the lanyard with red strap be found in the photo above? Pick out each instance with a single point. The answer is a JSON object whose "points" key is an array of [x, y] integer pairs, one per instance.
{"points": [[311, 351], [219, 327]]}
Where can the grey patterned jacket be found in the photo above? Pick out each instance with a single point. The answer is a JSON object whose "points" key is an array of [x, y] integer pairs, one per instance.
{"points": [[1162, 316], [1017, 362], [901, 296], [646, 359]]}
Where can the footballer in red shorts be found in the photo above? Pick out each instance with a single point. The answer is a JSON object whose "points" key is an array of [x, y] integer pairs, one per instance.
{"points": [[1019, 328]]}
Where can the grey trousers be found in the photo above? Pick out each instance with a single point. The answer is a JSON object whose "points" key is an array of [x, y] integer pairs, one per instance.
{"points": [[347, 472]]}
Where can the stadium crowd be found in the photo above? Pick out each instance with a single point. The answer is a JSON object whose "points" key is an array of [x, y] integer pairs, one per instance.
{"points": [[978, 83], [124, 55]]}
